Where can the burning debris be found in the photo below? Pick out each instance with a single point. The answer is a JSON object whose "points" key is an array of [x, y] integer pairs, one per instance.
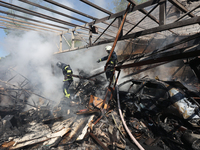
{"points": [[138, 113]]}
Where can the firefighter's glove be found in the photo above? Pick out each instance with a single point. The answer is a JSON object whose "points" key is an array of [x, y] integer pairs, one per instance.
{"points": [[98, 61]]}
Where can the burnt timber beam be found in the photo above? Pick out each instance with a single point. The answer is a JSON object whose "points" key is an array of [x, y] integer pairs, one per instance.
{"points": [[164, 57], [150, 16], [110, 30], [79, 33], [145, 69], [75, 11], [182, 23], [96, 6], [142, 19], [137, 7], [33, 20], [105, 30], [30, 12], [187, 39], [119, 23], [98, 141], [144, 11], [162, 13], [181, 7], [179, 24], [103, 10], [51, 10], [149, 3], [86, 34], [187, 13]]}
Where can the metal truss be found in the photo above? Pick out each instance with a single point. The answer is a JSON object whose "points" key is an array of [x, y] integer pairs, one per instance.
{"points": [[106, 34]]}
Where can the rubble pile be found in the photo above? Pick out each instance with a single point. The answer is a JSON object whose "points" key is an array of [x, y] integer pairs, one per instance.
{"points": [[157, 114]]}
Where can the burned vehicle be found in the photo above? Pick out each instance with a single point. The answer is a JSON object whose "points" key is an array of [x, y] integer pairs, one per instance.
{"points": [[161, 113]]}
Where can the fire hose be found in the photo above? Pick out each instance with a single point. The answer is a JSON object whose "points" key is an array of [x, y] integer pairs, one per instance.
{"points": [[124, 123]]}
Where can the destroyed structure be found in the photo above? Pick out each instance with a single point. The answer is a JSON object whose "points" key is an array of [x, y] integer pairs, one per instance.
{"points": [[147, 110]]}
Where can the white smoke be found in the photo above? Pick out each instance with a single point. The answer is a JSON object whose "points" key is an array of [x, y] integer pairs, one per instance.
{"points": [[32, 54]]}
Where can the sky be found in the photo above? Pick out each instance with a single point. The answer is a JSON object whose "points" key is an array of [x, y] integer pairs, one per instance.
{"points": [[32, 53], [73, 4]]}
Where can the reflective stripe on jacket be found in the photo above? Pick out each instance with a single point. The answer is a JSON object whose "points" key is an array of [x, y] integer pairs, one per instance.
{"points": [[67, 72]]}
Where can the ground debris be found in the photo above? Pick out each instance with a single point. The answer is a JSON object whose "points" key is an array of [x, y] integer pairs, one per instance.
{"points": [[159, 114]]}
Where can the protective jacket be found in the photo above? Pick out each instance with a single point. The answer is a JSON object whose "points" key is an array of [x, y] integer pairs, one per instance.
{"points": [[113, 60], [67, 72], [111, 64], [68, 79]]}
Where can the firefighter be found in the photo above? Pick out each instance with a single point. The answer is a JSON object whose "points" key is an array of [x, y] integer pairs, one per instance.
{"points": [[111, 64], [68, 79]]}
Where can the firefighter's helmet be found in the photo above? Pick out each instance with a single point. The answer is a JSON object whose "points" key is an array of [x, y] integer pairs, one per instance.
{"points": [[59, 64], [108, 48]]}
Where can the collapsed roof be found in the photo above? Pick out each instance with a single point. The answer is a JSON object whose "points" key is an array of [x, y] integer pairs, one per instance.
{"points": [[160, 32], [143, 20]]}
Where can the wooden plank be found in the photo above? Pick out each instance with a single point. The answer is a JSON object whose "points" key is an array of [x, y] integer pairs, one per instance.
{"points": [[42, 139]]}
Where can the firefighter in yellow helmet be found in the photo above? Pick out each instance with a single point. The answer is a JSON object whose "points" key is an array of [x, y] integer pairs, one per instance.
{"points": [[68, 79], [111, 63]]}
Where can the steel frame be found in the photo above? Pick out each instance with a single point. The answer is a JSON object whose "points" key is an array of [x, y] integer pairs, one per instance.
{"points": [[105, 34]]}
